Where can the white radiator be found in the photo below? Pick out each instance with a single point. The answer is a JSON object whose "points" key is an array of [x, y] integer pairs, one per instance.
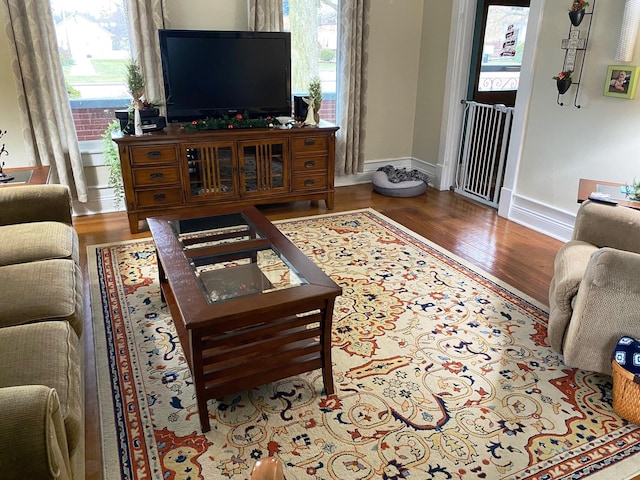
{"points": [[483, 150]]}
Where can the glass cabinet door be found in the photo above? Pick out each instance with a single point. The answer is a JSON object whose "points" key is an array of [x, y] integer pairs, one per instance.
{"points": [[211, 170], [262, 166]]}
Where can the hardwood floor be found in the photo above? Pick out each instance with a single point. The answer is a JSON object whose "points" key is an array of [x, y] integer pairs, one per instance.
{"points": [[514, 254]]}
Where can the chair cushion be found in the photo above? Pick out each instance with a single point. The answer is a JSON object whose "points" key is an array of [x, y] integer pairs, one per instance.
{"points": [[22, 350], [43, 290], [408, 188], [27, 242]]}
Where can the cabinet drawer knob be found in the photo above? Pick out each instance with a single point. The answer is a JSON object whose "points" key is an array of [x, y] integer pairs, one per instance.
{"points": [[309, 182], [309, 141], [310, 164], [154, 153], [158, 197], [157, 176]]}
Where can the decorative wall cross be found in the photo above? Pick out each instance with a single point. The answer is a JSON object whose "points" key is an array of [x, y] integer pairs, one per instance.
{"points": [[572, 45]]}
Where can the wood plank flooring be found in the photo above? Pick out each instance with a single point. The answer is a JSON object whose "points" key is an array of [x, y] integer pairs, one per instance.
{"points": [[514, 254]]}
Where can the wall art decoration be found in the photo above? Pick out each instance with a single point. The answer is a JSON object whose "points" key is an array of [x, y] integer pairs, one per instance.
{"points": [[621, 81]]}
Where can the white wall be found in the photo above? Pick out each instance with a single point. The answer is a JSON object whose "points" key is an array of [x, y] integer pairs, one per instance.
{"points": [[208, 14], [394, 58], [600, 140], [436, 21]]}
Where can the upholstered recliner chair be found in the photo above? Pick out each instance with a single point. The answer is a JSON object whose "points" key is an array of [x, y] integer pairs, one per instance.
{"points": [[594, 296]]}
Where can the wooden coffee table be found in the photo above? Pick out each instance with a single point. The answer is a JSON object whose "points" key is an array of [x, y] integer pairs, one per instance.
{"points": [[248, 306]]}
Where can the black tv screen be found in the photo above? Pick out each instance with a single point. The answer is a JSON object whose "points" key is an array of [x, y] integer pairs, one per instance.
{"points": [[217, 73]]}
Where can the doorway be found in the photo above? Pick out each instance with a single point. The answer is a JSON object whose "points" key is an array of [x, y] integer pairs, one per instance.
{"points": [[495, 65]]}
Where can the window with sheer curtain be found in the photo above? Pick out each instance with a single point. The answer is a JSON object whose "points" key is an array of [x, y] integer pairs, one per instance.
{"points": [[93, 41], [314, 39]]}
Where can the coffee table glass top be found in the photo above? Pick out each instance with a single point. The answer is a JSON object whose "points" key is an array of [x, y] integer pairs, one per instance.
{"points": [[231, 258]]}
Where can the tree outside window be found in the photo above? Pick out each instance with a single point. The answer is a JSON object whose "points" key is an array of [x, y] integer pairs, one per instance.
{"points": [[314, 37]]}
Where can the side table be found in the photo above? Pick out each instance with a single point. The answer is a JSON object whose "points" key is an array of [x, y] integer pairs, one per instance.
{"points": [[26, 176], [585, 187]]}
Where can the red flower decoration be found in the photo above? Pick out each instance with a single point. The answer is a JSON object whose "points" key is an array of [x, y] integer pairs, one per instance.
{"points": [[230, 126], [195, 122], [579, 5], [181, 127], [239, 116]]}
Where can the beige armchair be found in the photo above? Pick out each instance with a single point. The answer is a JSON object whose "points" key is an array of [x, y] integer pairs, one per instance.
{"points": [[594, 296]]}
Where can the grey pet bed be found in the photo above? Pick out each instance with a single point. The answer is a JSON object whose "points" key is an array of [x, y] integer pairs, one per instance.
{"points": [[407, 188]]}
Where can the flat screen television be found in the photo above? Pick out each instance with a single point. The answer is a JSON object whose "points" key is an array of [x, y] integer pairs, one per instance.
{"points": [[216, 73]]}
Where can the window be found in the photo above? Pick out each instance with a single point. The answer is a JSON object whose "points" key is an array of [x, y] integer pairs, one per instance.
{"points": [[499, 37], [93, 40], [314, 38]]}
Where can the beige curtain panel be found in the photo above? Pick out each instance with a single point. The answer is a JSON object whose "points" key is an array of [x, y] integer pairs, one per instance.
{"points": [[146, 18], [48, 129], [265, 15], [351, 106]]}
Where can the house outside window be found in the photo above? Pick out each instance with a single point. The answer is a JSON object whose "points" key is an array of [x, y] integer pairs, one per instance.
{"points": [[93, 41]]}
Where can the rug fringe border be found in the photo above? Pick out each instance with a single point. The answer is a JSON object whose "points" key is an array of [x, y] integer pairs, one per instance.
{"points": [[108, 444]]}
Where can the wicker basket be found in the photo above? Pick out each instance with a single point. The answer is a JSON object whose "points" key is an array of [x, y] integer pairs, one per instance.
{"points": [[626, 393]]}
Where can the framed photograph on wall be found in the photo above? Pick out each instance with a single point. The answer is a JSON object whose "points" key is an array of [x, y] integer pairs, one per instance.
{"points": [[621, 81]]}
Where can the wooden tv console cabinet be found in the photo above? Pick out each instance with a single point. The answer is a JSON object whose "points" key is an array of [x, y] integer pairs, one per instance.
{"points": [[171, 170]]}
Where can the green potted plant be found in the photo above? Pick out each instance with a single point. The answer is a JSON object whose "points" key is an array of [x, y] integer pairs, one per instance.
{"points": [[633, 191], [112, 161], [315, 95]]}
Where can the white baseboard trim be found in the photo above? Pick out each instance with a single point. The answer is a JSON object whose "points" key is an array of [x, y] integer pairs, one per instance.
{"points": [[543, 218], [100, 200]]}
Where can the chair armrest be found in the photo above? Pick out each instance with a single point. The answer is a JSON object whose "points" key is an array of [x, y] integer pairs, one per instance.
{"points": [[568, 271], [35, 203], [608, 226], [33, 442], [607, 307]]}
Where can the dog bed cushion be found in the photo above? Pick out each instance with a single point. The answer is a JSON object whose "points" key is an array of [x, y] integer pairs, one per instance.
{"points": [[408, 188]]}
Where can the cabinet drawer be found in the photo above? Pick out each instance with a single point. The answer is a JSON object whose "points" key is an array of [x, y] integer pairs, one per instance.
{"points": [[309, 164], [309, 182], [153, 154], [143, 177], [159, 196], [309, 145]]}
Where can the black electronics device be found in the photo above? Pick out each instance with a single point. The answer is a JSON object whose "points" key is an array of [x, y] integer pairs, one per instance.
{"points": [[300, 108], [152, 124], [216, 73], [150, 118]]}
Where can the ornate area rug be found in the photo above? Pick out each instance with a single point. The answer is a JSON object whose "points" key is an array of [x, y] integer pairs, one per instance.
{"points": [[440, 372]]}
